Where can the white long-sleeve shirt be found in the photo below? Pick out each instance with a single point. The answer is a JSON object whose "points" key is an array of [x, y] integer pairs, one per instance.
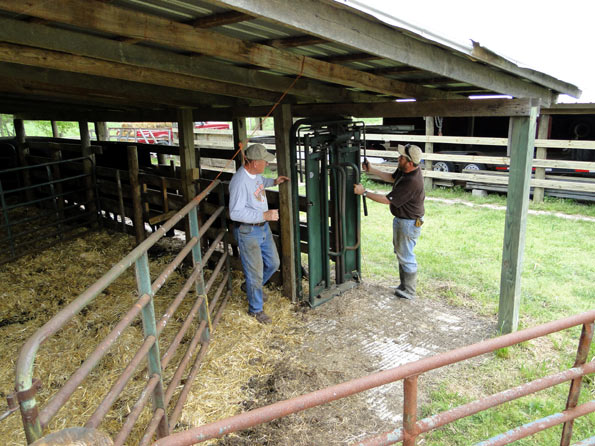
{"points": [[247, 197]]}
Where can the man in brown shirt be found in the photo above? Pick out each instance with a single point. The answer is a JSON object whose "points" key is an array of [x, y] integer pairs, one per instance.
{"points": [[406, 201]]}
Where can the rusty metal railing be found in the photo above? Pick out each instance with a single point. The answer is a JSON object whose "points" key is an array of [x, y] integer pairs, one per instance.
{"points": [[202, 317], [409, 373]]}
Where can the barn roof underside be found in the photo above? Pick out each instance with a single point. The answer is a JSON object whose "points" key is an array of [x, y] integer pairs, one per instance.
{"points": [[137, 60]]}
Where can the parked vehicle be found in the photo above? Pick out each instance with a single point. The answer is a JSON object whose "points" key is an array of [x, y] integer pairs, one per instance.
{"points": [[562, 127], [160, 135]]}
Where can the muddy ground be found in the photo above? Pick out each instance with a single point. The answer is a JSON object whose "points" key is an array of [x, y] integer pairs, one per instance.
{"points": [[363, 331]]}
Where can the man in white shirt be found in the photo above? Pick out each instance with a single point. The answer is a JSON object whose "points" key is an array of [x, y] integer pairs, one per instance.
{"points": [[248, 208]]}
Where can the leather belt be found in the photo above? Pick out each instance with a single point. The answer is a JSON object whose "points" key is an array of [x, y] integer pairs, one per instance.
{"points": [[239, 223]]}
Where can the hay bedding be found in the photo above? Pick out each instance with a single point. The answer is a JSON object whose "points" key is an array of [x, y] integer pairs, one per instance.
{"points": [[248, 365], [36, 287]]}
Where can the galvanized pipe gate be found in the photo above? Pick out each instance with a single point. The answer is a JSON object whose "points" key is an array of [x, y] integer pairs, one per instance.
{"points": [[409, 373], [202, 317]]}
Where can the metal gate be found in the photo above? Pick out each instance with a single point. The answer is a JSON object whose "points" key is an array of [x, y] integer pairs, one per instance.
{"points": [[44, 204], [331, 159], [198, 304]]}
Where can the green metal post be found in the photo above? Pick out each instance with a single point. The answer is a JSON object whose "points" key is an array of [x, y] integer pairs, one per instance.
{"points": [[143, 281]]}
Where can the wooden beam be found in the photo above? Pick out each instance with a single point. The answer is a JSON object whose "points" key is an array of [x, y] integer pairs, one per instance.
{"points": [[352, 57], [77, 64], [31, 90], [403, 69], [521, 141], [107, 90], [100, 16], [453, 107], [347, 26], [283, 123], [36, 110], [293, 42], [105, 49], [223, 18], [569, 109]]}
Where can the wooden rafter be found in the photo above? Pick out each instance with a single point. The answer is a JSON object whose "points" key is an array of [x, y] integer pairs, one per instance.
{"points": [[67, 62], [292, 42], [395, 70], [62, 82], [353, 57], [451, 107], [97, 47], [108, 18], [224, 18]]}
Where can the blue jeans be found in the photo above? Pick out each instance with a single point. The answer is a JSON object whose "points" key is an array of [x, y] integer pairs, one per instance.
{"points": [[259, 258], [405, 235]]}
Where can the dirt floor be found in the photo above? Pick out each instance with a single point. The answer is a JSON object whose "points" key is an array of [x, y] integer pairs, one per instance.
{"points": [[363, 331]]}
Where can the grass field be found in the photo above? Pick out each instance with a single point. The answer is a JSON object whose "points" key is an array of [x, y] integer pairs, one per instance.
{"points": [[461, 248]]}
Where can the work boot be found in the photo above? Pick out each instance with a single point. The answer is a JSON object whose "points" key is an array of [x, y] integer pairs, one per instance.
{"points": [[401, 272], [261, 317], [408, 281]]}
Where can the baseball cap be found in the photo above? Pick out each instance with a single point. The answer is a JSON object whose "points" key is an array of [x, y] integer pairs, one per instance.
{"points": [[410, 151], [258, 152]]}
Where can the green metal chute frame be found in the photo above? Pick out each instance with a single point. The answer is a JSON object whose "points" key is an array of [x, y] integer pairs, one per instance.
{"points": [[331, 156]]}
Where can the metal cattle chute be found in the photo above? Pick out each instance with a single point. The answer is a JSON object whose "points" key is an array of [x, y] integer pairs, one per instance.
{"points": [[326, 155]]}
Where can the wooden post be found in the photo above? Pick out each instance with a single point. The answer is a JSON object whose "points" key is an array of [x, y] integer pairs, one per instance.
{"points": [[187, 157], [161, 159], [88, 169], [429, 182], [101, 131], [121, 201], [543, 132], [521, 138], [56, 174], [240, 135], [283, 123], [137, 218], [23, 151], [55, 131]]}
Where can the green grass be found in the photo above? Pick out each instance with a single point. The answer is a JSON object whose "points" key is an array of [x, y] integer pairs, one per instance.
{"points": [[550, 204], [459, 255]]}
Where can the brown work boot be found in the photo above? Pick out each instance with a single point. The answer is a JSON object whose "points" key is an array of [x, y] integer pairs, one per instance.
{"points": [[261, 317]]}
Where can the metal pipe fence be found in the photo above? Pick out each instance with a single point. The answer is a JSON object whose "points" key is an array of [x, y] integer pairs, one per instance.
{"points": [[409, 373], [38, 213], [158, 390]]}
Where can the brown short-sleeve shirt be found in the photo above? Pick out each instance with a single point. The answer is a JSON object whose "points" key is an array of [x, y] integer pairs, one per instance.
{"points": [[407, 196]]}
